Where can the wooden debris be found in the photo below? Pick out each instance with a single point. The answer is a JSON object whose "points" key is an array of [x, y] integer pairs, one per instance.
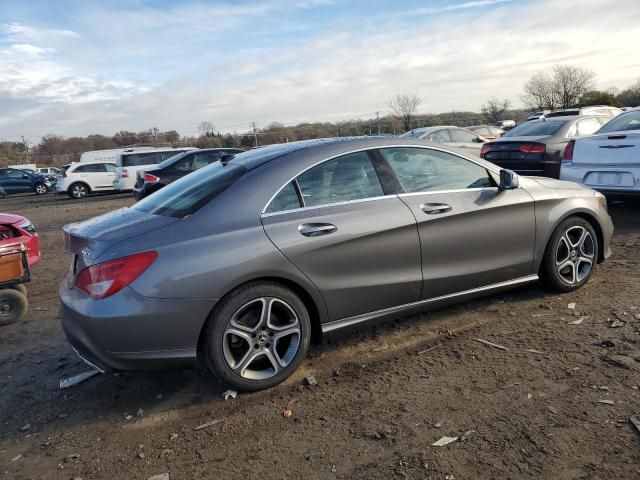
{"points": [[491, 344], [209, 424], [438, 345]]}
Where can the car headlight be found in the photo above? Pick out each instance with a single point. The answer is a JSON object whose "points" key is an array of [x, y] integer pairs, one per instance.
{"points": [[602, 200], [27, 225]]}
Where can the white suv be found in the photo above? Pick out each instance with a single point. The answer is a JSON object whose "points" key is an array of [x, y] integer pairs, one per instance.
{"points": [[129, 162], [80, 179]]}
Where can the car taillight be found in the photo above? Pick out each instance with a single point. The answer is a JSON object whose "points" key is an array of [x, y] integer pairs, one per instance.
{"points": [[151, 178], [125, 173], [567, 156], [486, 147], [532, 148], [104, 279]]}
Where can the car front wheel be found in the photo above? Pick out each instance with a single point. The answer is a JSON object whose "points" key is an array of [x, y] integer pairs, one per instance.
{"points": [[41, 188], [257, 336], [571, 255]]}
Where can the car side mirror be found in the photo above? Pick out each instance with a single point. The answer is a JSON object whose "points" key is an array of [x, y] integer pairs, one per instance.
{"points": [[508, 180], [24, 175]]}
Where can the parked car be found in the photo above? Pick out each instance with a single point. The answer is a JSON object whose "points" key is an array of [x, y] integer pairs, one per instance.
{"points": [[242, 262], [80, 179], [488, 132], [608, 161], [18, 230], [46, 171], [129, 162], [20, 181], [176, 167], [536, 147], [449, 135], [540, 114], [505, 124], [603, 110]]}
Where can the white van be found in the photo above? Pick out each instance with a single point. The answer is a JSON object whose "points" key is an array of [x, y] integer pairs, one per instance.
{"points": [[129, 162]]}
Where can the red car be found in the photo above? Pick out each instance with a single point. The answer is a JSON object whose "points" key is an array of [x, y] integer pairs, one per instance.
{"points": [[16, 229]]}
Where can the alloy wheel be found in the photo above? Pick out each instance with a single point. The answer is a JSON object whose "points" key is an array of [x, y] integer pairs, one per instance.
{"points": [[79, 191], [41, 189], [261, 338], [575, 255]]}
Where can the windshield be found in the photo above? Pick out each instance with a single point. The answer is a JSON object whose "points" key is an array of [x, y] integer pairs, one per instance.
{"points": [[413, 134], [190, 193], [625, 121], [534, 129]]}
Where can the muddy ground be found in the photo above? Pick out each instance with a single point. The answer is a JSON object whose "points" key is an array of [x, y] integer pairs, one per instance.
{"points": [[385, 394]]}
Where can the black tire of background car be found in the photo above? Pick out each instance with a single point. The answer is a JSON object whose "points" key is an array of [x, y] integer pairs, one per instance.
{"points": [[221, 316], [548, 271], [13, 306]]}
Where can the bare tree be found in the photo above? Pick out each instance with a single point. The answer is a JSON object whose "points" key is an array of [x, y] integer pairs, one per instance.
{"points": [[404, 107], [494, 109], [571, 83], [560, 89], [206, 129]]}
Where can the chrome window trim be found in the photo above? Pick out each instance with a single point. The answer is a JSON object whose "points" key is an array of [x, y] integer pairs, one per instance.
{"points": [[315, 207], [357, 319], [365, 149]]}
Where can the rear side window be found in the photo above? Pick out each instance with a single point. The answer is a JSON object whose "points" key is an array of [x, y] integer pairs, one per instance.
{"points": [[350, 177], [588, 126], [191, 192], [92, 168], [459, 135], [625, 121], [426, 170], [439, 136], [534, 129], [286, 199]]}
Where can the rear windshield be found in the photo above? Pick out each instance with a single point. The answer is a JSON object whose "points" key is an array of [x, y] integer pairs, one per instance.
{"points": [[146, 158], [625, 121], [412, 134], [562, 113], [187, 195], [534, 129]]}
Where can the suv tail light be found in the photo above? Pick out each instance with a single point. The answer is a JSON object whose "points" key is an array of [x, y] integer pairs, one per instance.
{"points": [[151, 178], [567, 156], [532, 148], [104, 279], [486, 147], [125, 173]]}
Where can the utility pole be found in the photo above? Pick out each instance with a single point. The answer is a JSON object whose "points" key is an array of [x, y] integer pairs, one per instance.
{"points": [[255, 135], [369, 127], [454, 116], [26, 148], [337, 130], [378, 121]]}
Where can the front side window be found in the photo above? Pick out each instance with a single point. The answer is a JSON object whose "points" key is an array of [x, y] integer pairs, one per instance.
{"points": [[204, 158], [184, 165], [463, 136], [625, 121], [15, 173], [426, 170], [350, 177]]}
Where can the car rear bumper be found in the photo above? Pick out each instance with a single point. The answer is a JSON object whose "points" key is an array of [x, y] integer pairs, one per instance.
{"points": [[608, 180], [145, 190], [130, 332]]}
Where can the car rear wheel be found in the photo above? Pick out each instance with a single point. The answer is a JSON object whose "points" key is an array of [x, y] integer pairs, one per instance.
{"points": [[571, 255], [257, 336], [78, 190], [41, 188], [13, 306]]}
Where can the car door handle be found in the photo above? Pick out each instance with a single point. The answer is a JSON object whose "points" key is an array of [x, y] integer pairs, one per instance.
{"points": [[435, 208], [316, 229]]}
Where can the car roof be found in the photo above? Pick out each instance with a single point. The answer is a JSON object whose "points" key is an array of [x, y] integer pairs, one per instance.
{"points": [[92, 162]]}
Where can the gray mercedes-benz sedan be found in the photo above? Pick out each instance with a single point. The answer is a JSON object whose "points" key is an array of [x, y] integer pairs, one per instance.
{"points": [[244, 261]]}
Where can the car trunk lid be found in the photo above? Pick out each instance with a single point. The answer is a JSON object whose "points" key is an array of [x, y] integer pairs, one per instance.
{"points": [[608, 150]]}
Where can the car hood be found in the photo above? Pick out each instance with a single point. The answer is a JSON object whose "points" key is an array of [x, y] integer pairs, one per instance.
{"points": [[558, 184], [8, 218], [92, 237]]}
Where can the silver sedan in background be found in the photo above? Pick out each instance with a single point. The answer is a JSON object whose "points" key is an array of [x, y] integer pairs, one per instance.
{"points": [[245, 261]]}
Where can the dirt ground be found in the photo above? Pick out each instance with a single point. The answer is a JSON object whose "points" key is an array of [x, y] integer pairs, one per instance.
{"points": [[385, 394]]}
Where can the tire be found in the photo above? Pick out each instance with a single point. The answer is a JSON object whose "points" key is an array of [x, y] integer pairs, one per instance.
{"points": [[253, 359], [40, 189], [20, 288], [78, 190], [13, 306], [570, 258]]}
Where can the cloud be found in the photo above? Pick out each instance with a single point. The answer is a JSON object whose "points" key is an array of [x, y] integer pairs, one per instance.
{"points": [[347, 68], [29, 50], [17, 31], [457, 6]]}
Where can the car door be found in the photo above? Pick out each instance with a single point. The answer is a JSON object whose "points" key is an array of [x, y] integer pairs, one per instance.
{"points": [[349, 234], [100, 176], [467, 140], [19, 181], [472, 235]]}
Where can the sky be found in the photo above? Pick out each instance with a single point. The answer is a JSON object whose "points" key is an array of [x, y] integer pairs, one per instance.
{"points": [[83, 67]]}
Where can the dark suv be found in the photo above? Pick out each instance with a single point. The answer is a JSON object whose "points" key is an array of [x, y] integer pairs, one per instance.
{"points": [[13, 180], [176, 167]]}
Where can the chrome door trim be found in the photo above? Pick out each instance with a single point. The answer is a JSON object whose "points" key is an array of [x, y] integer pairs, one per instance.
{"points": [[365, 149], [325, 205], [457, 190], [346, 322]]}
